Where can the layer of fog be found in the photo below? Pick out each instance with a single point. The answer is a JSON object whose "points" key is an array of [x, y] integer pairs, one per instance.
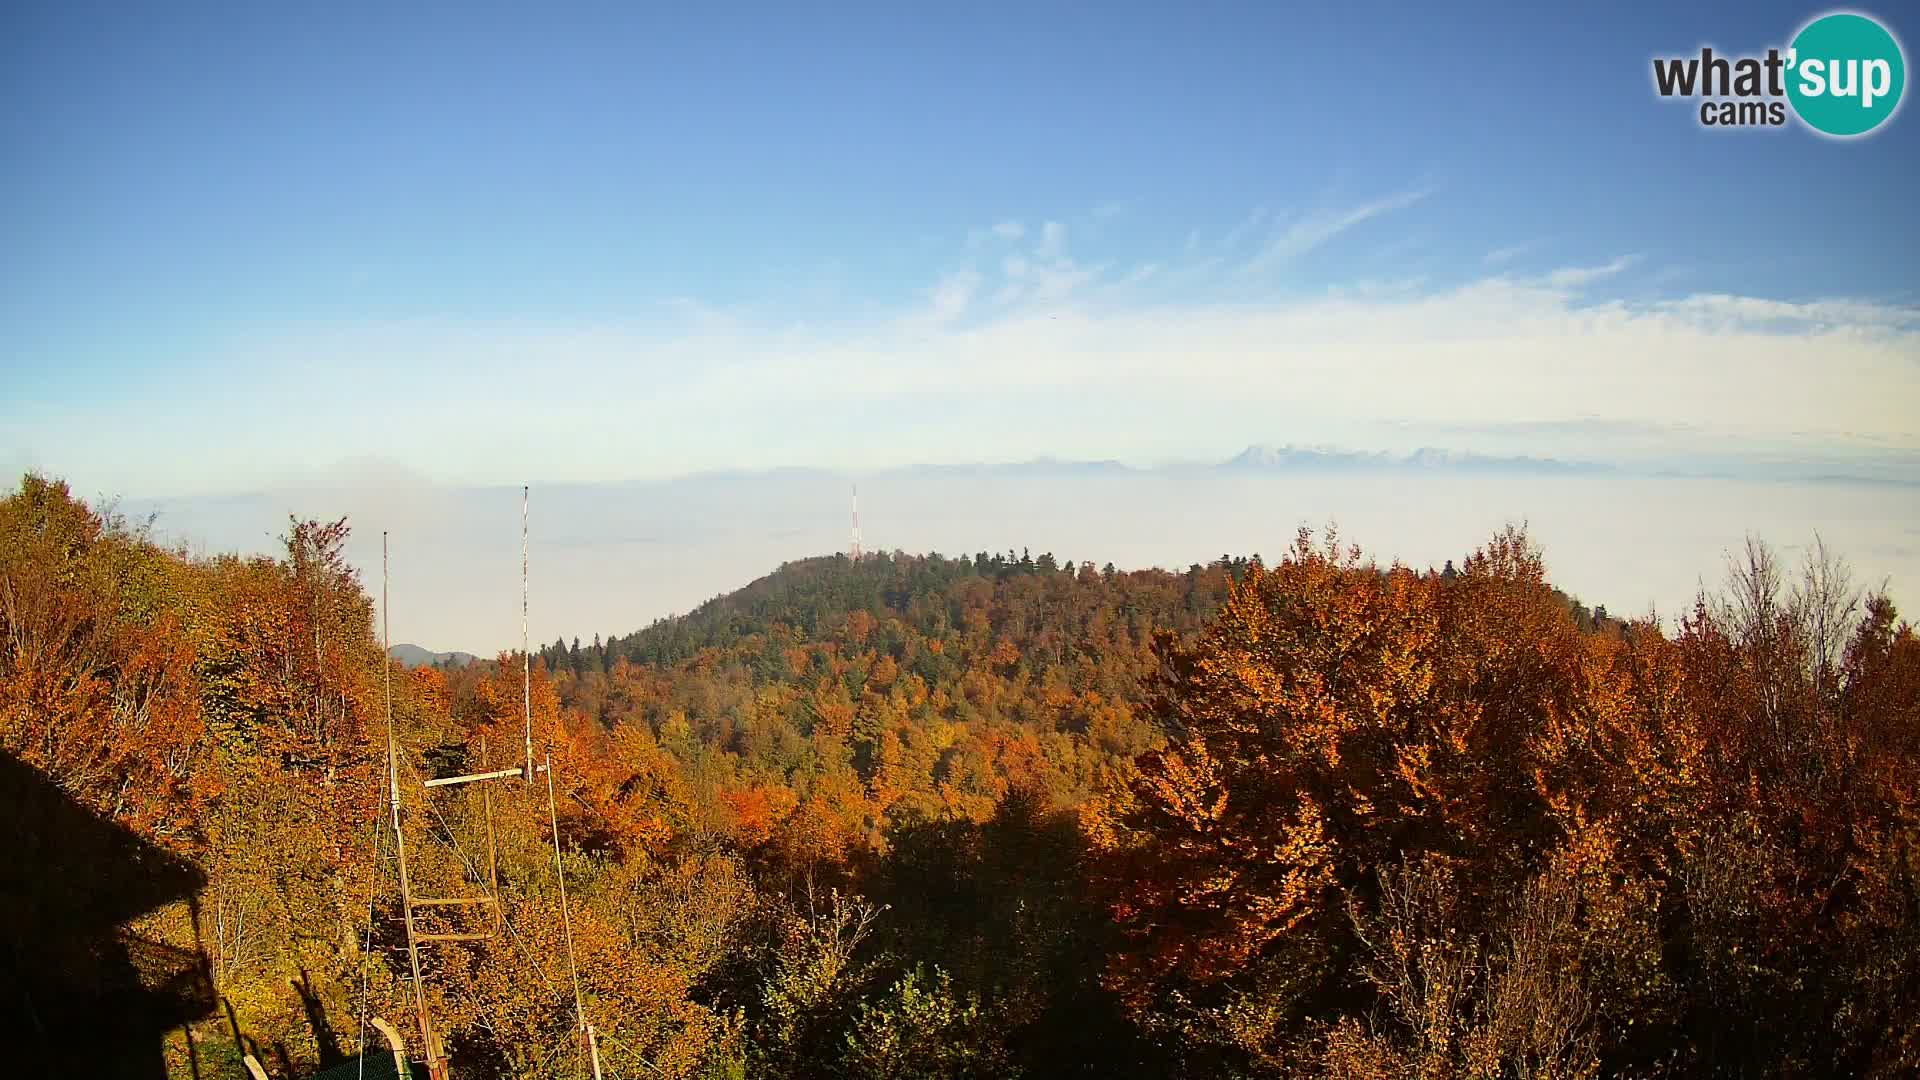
{"points": [[609, 559]]}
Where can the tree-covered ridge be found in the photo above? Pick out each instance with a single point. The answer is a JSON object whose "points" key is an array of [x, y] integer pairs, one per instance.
{"points": [[902, 654], [930, 595], [1002, 816], [809, 599]]}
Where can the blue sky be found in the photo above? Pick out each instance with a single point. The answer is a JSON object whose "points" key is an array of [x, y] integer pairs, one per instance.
{"points": [[595, 242]]}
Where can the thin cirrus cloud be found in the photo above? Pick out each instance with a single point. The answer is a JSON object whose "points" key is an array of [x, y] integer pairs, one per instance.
{"points": [[1499, 256], [1315, 229], [1022, 348], [1574, 277], [951, 296], [1722, 309]]}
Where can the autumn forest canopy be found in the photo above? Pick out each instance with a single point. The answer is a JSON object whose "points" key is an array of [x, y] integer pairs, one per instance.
{"points": [[999, 815]]}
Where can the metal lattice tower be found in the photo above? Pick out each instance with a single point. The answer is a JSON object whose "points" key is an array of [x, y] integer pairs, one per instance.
{"points": [[853, 549]]}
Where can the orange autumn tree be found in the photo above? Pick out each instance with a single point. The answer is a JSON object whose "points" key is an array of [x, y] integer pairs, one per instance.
{"points": [[1799, 871], [1337, 718], [1430, 824], [96, 673]]}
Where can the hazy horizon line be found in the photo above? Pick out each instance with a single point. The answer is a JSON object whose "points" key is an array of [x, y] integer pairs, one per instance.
{"points": [[1891, 467]]}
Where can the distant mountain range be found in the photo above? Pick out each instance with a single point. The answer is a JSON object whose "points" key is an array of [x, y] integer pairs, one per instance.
{"points": [[1036, 466], [1892, 468], [416, 656], [1427, 457], [1285, 457]]}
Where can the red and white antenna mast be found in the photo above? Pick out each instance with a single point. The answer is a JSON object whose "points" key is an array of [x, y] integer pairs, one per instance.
{"points": [[853, 550]]}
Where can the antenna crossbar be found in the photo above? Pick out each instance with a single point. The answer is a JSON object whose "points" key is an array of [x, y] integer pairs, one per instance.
{"points": [[469, 778]]}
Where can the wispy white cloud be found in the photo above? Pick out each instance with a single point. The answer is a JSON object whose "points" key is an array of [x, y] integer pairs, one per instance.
{"points": [[1722, 310], [1058, 280], [1382, 287], [951, 296], [1574, 277], [1314, 229], [1042, 281], [1501, 256], [1243, 229], [998, 233]]}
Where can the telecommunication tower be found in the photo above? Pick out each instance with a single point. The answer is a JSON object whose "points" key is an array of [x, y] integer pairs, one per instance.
{"points": [[853, 549]]}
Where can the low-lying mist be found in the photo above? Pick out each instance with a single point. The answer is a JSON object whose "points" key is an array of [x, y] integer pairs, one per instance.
{"points": [[609, 559]]}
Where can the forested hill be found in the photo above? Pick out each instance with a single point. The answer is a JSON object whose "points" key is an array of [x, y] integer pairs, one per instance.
{"points": [[953, 677], [929, 595], [1056, 600], [941, 680]]}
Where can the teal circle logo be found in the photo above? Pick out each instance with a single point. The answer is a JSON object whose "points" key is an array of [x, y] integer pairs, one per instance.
{"points": [[1845, 73]]}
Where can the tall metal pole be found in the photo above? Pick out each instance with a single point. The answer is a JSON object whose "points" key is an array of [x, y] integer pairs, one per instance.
{"points": [[526, 657], [435, 1066], [493, 848], [566, 922]]}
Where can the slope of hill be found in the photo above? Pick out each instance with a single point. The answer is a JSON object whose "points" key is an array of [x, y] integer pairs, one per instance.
{"points": [[415, 656], [1021, 593], [948, 678]]}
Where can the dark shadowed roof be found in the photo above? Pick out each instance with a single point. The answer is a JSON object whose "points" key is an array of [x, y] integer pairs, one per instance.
{"points": [[84, 986]]}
